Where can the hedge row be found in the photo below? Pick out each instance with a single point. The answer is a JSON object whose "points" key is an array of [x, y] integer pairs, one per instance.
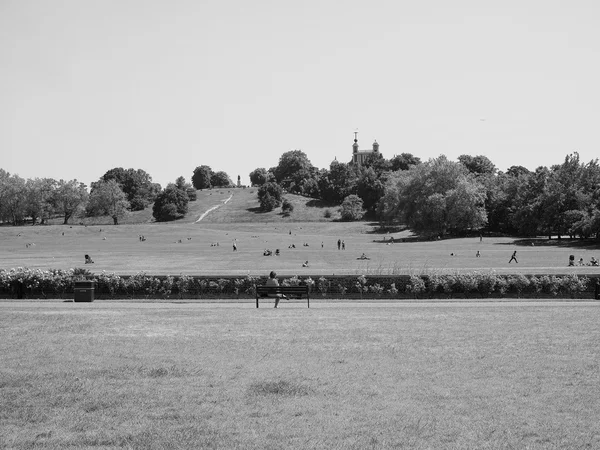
{"points": [[36, 283]]}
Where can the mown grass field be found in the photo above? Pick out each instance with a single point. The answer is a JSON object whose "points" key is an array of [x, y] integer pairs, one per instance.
{"points": [[118, 249], [189, 246], [336, 376]]}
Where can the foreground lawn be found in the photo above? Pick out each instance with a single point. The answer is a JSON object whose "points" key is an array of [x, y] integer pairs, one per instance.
{"points": [[347, 376]]}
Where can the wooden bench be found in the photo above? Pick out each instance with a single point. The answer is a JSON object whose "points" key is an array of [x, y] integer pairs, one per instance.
{"points": [[288, 291]]}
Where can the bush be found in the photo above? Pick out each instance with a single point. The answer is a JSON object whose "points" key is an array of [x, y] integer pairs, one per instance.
{"points": [[327, 214], [170, 204], [287, 207], [269, 196], [352, 208]]}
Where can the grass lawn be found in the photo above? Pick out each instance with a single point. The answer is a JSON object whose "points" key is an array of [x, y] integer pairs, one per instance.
{"points": [[168, 251], [346, 376]]}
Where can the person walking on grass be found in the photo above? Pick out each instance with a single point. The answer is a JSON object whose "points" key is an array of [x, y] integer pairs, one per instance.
{"points": [[272, 281], [514, 258]]}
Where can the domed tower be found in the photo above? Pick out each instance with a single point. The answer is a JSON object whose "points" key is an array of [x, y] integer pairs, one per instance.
{"points": [[375, 146]]}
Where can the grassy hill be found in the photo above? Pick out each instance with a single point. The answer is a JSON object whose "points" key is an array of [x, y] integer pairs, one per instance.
{"points": [[228, 205]]}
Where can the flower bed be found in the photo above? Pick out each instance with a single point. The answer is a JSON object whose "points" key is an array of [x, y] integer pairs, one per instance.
{"points": [[34, 283]]}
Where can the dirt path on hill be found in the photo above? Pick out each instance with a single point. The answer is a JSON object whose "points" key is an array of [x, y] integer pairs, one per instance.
{"points": [[213, 208]]}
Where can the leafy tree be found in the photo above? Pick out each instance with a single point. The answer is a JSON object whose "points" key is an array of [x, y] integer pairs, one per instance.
{"points": [[294, 170], [13, 198], [403, 161], [338, 182], [107, 198], [136, 184], [352, 208], [69, 197], [201, 179], [287, 207], [170, 204], [270, 196], [477, 165], [220, 179], [38, 204], [260, 176], [436, 197], [187, 188], [515, 171], [377, 162], [370, 188]]}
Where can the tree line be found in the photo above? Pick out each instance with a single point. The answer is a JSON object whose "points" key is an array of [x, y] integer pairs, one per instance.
{"points": [[441, 197], [116, 193]]}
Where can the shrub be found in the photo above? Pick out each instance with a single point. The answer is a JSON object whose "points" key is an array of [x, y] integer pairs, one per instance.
{"points": [[352, 208], [287, 207], [518, 283], [486, 283], [269, 196], [416, 285], [327, 214]]}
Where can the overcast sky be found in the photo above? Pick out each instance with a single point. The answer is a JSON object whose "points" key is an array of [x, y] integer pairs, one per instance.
{"points": [[165, 86]]}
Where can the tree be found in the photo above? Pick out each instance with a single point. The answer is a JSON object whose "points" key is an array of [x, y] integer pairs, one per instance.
{"points": [[338, 182], [187, 188], [294, 170], [370, 188], [38, 193], [136, 184], [107, 198], [201, 177], [13, 198], [270, 196], [220, 179], [260, 176], [436, 197], [477, 165], [403, 161], [170, 204], [287, 207], [352, 208], [69, 197]]}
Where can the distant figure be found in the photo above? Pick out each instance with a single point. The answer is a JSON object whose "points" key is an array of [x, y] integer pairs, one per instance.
{"points": [[343, 245], [339, 244], [480, 237], [593, 261], [581, 262], [234, 247], [478, 255], [305, 264], [571, 260], [363, 256], [513, 258], [88, 260], [272, 281], [276, 252], [321, 244], [452, 254]]}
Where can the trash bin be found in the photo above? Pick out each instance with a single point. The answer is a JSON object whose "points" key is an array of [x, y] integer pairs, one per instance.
{"points": [[84, 291]]}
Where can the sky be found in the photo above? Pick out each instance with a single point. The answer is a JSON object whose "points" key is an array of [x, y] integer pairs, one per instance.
{"points": [[166, 86]]}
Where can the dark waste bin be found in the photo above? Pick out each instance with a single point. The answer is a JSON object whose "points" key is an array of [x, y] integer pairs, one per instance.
{"points": [[84, 291]]}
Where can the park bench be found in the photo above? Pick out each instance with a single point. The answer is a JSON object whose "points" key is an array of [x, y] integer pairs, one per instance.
{"points": [[288, 291]]}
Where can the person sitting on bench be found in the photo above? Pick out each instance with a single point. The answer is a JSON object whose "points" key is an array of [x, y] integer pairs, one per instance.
{"points": [[272, 281], [593, 261], [88, 260]]}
